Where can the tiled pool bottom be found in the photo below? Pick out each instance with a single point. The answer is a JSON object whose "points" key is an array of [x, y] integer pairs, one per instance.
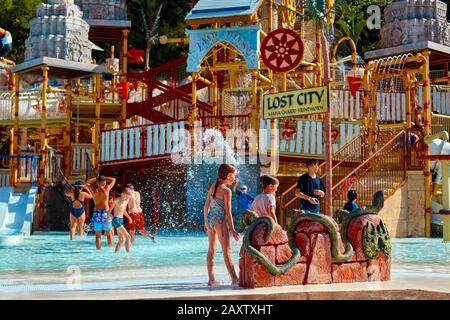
{"points": [[49, 262]]}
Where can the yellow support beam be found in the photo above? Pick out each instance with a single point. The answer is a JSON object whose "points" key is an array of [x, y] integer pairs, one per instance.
{"points": [[97, 128], [425, 57], [67, 132], [14, 150], [43, 142], [123, 115]]}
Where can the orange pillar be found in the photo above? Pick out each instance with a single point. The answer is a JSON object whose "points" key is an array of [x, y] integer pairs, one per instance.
{"points": [[97, 94], [123, 115], [68, 130], [426, 132], [43, 140]]}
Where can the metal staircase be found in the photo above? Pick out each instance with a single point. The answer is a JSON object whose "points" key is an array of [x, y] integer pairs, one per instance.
{"points": [[385, 169], [166, 85]]}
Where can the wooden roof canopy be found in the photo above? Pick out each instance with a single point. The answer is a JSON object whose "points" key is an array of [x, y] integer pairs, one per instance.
{"points": [[220, 11], [107, 30], [59, 68]]}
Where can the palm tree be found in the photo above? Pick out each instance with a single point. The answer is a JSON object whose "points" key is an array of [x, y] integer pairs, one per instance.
{"points": [[148, 16]]}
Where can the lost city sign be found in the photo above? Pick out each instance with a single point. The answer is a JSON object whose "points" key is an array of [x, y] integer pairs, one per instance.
{"points": [[295, 103]]}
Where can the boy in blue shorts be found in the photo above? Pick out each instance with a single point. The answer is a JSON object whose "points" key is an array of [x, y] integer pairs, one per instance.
{"points": [[100, 188], [120, 209]]}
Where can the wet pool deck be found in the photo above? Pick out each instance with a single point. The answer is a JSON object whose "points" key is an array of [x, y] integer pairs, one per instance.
{"points": [[402, 286]]}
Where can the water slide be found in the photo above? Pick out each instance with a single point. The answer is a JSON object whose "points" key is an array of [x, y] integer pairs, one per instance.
{"points": [[16, 215]]}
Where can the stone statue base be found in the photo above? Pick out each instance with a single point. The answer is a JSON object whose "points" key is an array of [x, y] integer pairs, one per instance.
{"points": [[316, 264]]}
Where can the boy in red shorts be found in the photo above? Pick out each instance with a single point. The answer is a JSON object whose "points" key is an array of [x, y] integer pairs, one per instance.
{"points": [[136, 214]]}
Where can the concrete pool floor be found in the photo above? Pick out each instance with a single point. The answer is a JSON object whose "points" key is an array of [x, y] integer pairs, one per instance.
{"points": [[402, 287]]}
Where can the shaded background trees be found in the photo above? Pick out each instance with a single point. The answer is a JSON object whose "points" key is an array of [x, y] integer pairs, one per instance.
{"points": [[15, 17], [350, 21]]}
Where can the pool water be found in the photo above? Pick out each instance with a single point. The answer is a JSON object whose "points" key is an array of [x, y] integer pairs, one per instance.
{"points": [[47, 257], [53, 251]]}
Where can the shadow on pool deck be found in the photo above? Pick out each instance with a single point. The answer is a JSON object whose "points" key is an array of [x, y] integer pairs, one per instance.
{"points": [[351, 295]]}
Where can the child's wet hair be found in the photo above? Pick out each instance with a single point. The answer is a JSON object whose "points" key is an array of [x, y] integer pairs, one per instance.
{"points": [[126, 192], [311, 161], [223, 172], [352, 195], [267, 181]]}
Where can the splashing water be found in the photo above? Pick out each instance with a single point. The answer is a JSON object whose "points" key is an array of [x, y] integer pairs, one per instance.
{"points": [[216, 149]]}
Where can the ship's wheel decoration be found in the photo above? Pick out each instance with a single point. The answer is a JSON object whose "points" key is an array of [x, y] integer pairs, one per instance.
{"points": [[282, 50]]}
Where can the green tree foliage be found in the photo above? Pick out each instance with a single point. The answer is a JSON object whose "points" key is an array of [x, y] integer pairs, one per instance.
{"points": [[15, 17], [351, 19], [143, 13]]}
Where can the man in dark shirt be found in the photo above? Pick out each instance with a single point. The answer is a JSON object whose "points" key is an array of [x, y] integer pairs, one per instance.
{"points": [[310, 188]]}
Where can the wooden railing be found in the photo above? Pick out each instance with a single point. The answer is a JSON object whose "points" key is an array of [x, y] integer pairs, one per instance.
{"points": [[28, 167], [141, 142], [391, 106], [5, 176], [308, 139], [352, 152], [440, 99], [384, 170], [440, 123], [53, 166], [80, 153], [30, 105]]}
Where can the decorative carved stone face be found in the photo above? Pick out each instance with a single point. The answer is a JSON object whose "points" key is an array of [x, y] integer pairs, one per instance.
{"points": [[58, 31], [408, 21], [98, 12], [103, 10], [396, 37]]}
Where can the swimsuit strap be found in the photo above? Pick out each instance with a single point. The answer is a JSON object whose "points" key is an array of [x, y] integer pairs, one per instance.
{"points": [[218, 203], [81, 202]]}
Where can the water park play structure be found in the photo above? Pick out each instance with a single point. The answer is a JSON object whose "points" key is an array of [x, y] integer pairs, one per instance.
{"points": [[68, 118]]}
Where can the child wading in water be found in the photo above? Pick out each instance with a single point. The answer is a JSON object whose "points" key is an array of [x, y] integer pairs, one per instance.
{"points": [[119, 206], [219, 221], [265, 203], [77, 216]]}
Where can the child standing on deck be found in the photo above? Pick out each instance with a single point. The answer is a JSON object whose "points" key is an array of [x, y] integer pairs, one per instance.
{"points": [[265, 203], [119, 206], [219, 221], [351, 204]]}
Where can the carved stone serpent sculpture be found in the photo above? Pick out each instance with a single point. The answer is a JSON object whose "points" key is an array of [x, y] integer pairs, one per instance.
{"points": [[252, 218], [375, 238]]}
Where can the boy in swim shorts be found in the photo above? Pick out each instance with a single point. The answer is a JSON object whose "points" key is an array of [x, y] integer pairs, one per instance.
{"points": [[100, 188], [135, 212], [119, 206]]}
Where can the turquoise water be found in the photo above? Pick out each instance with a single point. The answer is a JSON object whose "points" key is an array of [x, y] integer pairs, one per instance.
{"points": [[54, 252], [421, 251]]}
